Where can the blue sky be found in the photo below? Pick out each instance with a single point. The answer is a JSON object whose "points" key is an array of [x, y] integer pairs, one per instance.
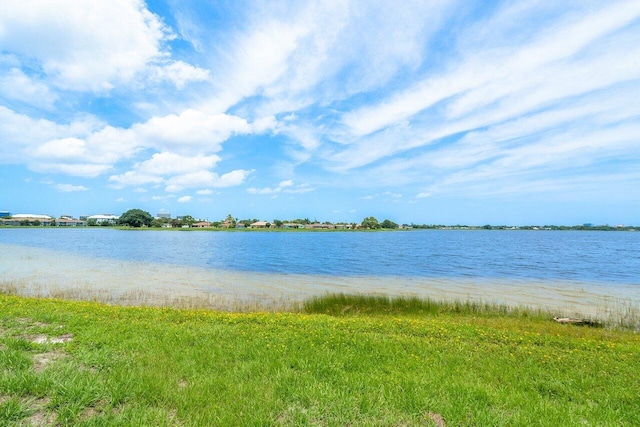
{"points": [[470, 112]]}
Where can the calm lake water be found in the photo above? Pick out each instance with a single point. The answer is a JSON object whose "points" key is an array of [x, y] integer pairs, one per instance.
{"points": [[485, 264]]}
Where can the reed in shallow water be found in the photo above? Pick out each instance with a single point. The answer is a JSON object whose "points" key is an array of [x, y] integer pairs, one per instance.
{"points": [[618, 313]]}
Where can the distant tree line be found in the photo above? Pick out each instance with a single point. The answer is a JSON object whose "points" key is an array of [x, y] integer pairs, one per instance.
{"points": [[137, 218]]}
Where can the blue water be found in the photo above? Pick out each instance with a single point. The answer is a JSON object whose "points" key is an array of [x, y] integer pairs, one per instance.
{"points": [[585, 256]]}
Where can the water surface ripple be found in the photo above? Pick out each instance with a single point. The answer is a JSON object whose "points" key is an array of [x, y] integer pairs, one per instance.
{"points": [[581, 270]]}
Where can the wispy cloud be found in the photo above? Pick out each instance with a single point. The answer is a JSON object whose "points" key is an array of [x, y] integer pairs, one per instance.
{"points": [[68, 188], [287, 187], [395, 103]]}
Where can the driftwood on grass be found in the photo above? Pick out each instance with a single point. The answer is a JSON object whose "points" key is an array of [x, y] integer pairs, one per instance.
{"points": [[576, 321]]}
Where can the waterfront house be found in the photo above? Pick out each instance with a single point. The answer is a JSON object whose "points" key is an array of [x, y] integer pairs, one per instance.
{"points": [[292, 225], [259, 224], [201, 224], [28, 219], [70, 222], [319, 226]]}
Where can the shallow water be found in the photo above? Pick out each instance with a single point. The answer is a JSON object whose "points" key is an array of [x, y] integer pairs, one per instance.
{"points": [[230, 270], [602, 257]]}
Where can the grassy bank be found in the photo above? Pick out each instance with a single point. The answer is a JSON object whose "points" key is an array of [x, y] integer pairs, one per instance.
{"points": [[368, 363]]}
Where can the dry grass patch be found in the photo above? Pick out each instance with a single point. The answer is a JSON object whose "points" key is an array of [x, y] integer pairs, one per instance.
{"points": [[42, 360], [41, 416], [437, 419], [44, 339]]}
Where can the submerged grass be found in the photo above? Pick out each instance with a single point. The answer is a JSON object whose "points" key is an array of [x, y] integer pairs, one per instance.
{"points": [[354, 304], [409, 363]]}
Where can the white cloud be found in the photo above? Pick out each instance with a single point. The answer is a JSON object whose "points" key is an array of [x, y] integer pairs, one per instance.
{"points": [[172, 164], [190, 131], [76, 44], [77, 169], [68, 188], [205, 179], [287, 186], [87, 147], [179, 73], [15, 84], [184, 199], [488, 71], [64, 148], [204, 192], [134, 178]]}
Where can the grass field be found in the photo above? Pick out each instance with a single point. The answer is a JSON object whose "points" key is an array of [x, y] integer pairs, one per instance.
{"points": [[356, 361]]}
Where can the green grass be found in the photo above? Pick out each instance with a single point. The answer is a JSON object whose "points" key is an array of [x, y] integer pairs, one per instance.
{"points": [[377, 363]]}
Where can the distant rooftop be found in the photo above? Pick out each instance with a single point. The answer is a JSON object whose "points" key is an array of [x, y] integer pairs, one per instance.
{"points": [[35, 216]]}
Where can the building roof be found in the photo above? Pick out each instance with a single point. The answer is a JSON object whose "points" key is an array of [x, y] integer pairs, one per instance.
{"points": [[31, 216], [103, 217]]}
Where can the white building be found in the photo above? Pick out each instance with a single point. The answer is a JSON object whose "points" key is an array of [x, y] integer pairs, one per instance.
{"points": [[111, 219], [32, 217]]}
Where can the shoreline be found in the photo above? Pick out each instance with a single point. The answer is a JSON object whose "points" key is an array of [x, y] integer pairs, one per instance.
{"points": [[40, 272]]}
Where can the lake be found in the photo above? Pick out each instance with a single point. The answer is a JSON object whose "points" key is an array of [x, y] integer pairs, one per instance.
{"points": [[574, 270]]}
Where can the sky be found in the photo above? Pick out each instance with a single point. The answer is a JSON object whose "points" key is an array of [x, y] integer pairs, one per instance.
{"points": [[431, 112]]}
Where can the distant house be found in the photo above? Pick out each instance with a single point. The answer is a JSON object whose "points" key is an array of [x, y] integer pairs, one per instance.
{"points": [[343, 226], [201, 224], [259, 224], [69, 222], [5, 214], [226, 224], [292, 225], [163, 215], [20, 219], [318, 226]]}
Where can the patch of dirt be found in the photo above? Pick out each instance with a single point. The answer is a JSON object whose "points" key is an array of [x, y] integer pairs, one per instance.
{"points": [[43, 339], [182, 384], [437, 418], [89, 412], [41, 360], [31, 322], [41, 417], [172, 417]]}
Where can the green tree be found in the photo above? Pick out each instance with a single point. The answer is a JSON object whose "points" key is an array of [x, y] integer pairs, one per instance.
{"points": [[188, 220], [156, 223], [388, 224], [371, 223], [277, 223], [92, 222], [37, 223], [230, 220], [136, 218]]}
